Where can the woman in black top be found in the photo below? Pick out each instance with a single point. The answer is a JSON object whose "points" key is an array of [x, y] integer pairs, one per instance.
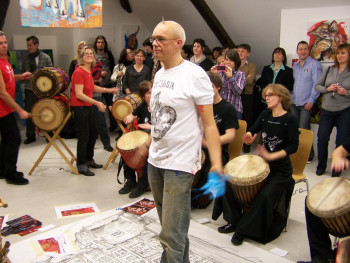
{"points": [[264, 221], [278, 72], [136, 73]]}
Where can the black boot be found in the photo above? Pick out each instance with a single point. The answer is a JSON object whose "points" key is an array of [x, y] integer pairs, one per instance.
{"points": [[127, 188], [92, 164], [84, 169]]}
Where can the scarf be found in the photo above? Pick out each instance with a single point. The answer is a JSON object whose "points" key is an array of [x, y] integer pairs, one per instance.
{"points": [[32, 62]]}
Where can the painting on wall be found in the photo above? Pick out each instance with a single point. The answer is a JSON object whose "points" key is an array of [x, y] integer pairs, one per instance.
{"points": [[325, 36], [61, 13]]}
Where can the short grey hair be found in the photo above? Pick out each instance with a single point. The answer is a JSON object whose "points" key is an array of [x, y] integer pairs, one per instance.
{"points": [[2, 34]]}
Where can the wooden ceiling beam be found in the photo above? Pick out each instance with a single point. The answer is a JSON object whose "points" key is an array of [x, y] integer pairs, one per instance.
{"points": [[213, 22]]}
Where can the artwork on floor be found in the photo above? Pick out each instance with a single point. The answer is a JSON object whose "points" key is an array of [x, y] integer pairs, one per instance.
{"points": [[325, 36], [61, 13], [119, 236]]}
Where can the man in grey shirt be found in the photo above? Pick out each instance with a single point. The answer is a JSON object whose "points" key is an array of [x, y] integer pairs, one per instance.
{"points": [[35, 60]]}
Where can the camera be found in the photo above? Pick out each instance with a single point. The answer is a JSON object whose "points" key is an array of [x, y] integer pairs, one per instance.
{"points": [[221, 68]]}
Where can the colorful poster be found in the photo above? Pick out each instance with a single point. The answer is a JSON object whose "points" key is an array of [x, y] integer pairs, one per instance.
{"points": [[61, 13], [325, 37]]}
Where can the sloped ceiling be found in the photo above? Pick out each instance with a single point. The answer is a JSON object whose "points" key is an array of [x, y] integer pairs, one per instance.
{"points": [[256, 22]]}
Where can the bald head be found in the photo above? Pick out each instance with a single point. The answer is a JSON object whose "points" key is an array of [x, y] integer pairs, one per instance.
{"points": [[173, 29]]}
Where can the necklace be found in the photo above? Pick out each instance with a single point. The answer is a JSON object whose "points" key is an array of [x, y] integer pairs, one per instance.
{"points": [[182, 60]]}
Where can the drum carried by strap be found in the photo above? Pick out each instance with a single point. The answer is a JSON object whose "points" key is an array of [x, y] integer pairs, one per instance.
{"points": [[49, 81], [329, 200], [248, 174], [124, 106], [48, 114], [127, 145]]}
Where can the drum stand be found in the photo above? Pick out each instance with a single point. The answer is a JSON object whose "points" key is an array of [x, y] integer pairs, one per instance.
{"points": [[115, 152], [51, 140]]}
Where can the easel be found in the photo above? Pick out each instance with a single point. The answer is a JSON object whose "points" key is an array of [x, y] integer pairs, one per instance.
{"points": [[3, 250], [115, 152], [51, 140]]}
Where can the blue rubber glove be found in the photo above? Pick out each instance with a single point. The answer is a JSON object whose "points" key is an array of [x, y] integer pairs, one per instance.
{"points": [[215, 186]]}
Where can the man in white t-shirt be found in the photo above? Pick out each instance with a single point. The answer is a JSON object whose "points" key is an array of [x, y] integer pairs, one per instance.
{"points": [[182, 108]]}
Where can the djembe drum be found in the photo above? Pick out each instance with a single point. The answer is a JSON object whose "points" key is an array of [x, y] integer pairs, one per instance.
{"points": [[49, 81], [329, 200], [48, 114], [124, 106], [248, 174], [127, 146]]}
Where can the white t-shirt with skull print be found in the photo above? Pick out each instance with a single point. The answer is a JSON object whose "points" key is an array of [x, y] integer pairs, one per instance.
{"points": [[176, 126]]}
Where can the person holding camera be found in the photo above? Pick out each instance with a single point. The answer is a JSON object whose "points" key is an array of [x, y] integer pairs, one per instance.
{"points": [[233, 80]]}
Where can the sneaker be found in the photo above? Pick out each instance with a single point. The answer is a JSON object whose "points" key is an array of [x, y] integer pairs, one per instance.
{"points": [[108, 148], [29, 140], [84, 169], [92, 164], [127, 188], [17, 179], [137, 192], [310, 160], [228, 228], [237, 239]]}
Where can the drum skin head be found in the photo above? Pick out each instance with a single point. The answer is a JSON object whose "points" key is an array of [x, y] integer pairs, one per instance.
{"points": [[121, 108], [48, 114], [330, 197], [129, 141], [49, 81], [247, 170], [44, 83]]}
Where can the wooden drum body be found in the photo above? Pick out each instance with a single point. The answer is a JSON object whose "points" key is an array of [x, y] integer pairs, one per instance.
{"points": [[49, 81], [125, 106], [127, 145], [48, 114], [248, 174], [329, 200]]}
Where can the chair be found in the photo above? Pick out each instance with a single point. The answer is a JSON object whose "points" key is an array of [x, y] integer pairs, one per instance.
{"points": [[299, 161], [235, 147]]}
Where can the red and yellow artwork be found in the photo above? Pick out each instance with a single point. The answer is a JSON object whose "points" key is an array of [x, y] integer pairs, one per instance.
{"points": [[325, 37], [61, 13]]}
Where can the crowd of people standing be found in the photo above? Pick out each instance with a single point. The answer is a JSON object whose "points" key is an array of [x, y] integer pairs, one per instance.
{"points": [[276, 104]]}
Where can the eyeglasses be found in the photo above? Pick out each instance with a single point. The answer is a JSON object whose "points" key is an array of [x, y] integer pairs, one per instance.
{"points": [[269, 95], [160, 39]]}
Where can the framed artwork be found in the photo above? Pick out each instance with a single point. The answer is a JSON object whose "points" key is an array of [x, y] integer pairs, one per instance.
{"points": [[325, 36], [61, 13]]}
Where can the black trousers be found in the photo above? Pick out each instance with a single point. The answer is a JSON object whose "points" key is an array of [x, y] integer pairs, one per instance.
{"points": [[130, 174], [319, 240], [29, 101], [101, 125], [9, 146], [85, 124]]}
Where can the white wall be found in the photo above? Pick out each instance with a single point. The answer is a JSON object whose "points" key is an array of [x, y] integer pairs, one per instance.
{"points": [[63, 41], [294, 24]]}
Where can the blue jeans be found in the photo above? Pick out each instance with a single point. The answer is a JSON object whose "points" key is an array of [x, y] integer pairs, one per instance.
{"points": [[303, 117], [329, 119], [172, 194]]}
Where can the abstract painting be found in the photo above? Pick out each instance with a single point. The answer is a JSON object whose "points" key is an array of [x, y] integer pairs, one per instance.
{"points": [[325, 36], [61, 13]]}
